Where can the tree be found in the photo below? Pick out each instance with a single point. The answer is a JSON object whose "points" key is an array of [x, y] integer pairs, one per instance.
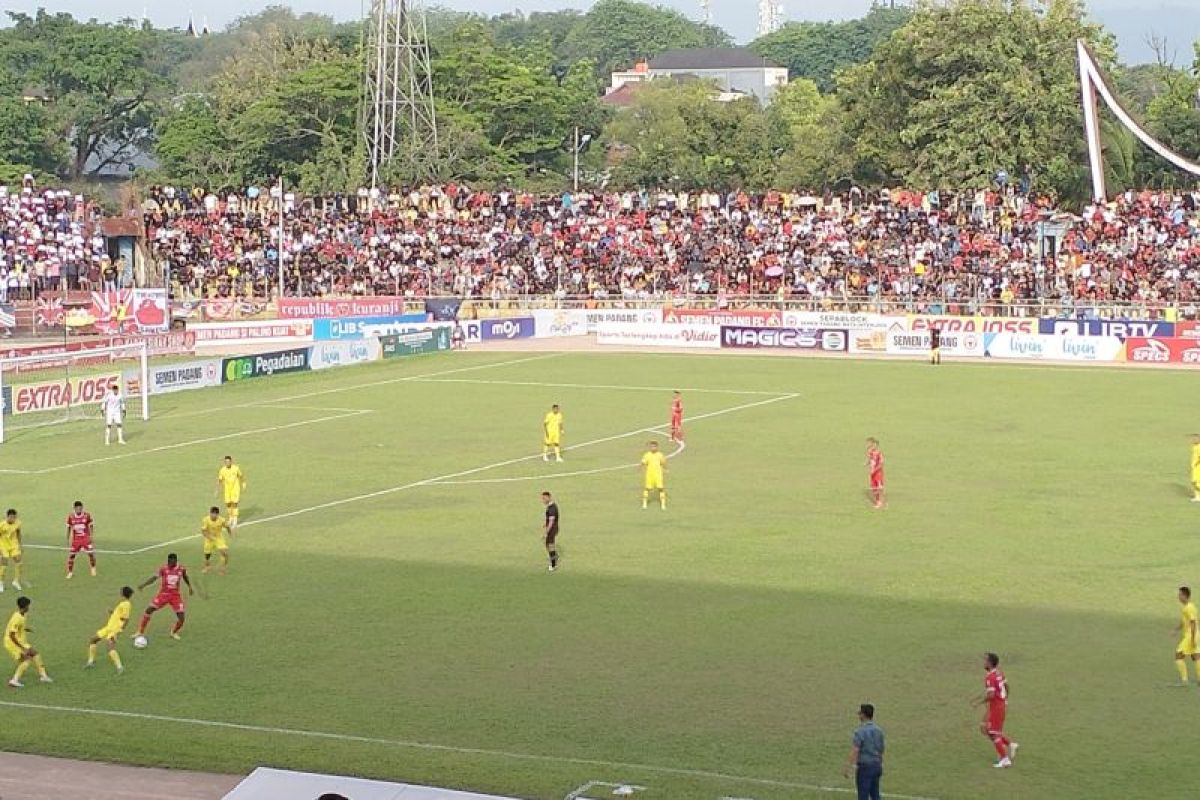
{"points": [[679, 136], [809, 123], [100, 80], [192, 147], [615, 34], [970, 87], [818, 50]]}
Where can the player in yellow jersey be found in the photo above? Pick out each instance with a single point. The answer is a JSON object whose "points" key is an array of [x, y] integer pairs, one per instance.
{"points": [[10, 548], [1196, 467], [654, 468], [16, 644], [118, 618], [552, 428], [1189, 637], [231, 480], [213, 528]]}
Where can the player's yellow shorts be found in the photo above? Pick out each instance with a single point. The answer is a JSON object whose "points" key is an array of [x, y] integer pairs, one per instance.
{"points": [[213, 545], [1195, 481], [107, 633], [553, 441], [13, 651], [232, 497], [10, 550], [654, 482], [1186, 647]]}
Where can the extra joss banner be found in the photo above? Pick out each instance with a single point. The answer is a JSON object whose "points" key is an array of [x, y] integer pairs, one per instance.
{"points": [[949, 324]]}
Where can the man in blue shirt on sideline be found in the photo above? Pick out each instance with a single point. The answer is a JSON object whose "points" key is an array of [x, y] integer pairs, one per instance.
{"points": [[866, 754]]}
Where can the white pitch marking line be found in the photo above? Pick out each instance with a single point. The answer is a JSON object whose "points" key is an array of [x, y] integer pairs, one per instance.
{"points": [[442, 748], [352, 387], [290, 407], [446, 479], [205, 440], [748, 392]]}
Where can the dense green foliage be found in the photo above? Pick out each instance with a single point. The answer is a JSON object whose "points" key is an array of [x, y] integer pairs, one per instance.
{"points": [[942, 94], [735, 633]]}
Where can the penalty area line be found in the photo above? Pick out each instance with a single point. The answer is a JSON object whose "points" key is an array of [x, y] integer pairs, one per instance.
{"points": [[441, 748]]}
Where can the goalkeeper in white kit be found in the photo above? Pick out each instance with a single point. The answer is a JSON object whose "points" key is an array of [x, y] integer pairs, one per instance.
{"points": [[113, 406]]}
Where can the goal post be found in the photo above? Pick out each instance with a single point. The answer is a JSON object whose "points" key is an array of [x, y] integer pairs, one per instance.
{"points": [[54, 388]]}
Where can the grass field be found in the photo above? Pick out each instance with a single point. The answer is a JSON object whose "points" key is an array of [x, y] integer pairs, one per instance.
{"points": [[389, 613]]}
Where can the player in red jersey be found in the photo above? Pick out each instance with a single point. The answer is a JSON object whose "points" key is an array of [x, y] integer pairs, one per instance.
{"points": [[79, 538], [875, 467], [677, 418], [995, 697], [169, 576]]}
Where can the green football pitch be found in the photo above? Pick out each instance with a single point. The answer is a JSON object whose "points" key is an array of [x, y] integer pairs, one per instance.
{"points": [[388, 612]]}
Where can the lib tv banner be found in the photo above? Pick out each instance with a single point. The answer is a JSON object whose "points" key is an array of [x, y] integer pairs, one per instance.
{"points": [[1123, 328], [342, 329], [264, 365], [430, 340]]}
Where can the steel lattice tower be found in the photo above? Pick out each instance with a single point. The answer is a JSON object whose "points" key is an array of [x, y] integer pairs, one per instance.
{"points": [[770, 16], [399, 121]]}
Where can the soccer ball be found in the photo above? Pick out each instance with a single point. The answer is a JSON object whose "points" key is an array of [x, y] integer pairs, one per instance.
{"points": [[140, 642]]}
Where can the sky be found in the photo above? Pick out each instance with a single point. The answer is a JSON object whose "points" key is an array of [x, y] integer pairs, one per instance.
{"points": [[1133, 21]]}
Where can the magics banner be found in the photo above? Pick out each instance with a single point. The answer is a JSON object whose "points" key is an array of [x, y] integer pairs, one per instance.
{"points": [[820, 340]]}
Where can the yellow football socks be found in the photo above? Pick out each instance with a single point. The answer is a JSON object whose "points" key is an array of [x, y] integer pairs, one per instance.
{"points": [[1181, 665], [91, 653], [115, 657]]}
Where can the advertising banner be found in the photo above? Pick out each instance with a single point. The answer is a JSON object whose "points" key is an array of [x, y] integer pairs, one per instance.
{"points": [[514, 328], [126, 311], [264, 365], [209, 334], [1054, 348], [341, 354], [553, 323], [341, 329], [1176, 350], [748, 317], [645, 334], [443, 309], [63, 393], [176, 377], [329, 307], [949, 324], [220, 309], [1107, 327], [817, 340], [909, 343], [429, 340], [839, 319], [160, 344], [1187, 329]]}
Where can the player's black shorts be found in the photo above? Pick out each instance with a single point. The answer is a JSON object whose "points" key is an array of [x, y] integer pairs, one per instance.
{"points": [[551, 535]]}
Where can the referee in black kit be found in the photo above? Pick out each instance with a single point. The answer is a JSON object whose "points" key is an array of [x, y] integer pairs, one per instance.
{"points": [[550, 530]]}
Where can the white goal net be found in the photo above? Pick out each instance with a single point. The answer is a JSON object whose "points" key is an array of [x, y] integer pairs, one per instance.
{"points": [[53, 388]]}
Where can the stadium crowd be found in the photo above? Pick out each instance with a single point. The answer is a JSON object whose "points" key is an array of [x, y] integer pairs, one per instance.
{"points": [[48, 236], [996, 246]]}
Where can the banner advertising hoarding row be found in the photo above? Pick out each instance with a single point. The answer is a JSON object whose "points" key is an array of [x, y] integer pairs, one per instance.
{"points": [[215, 334], [48, 395], [176, 377], [342, 354], [1122, 328], [1173, 350]]}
